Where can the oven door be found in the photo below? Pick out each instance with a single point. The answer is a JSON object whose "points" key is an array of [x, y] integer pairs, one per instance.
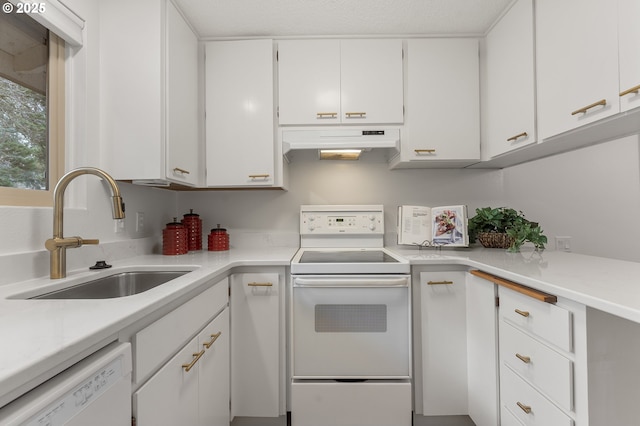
{"points": [[351, 327]]}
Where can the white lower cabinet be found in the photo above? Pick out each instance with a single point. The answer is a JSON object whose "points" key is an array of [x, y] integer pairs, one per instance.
{"points": [[536, 359], [193, 387], [256, 371], [444, 343], [482, 351], [182, 364]]}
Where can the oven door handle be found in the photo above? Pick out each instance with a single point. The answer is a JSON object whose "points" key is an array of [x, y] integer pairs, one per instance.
{"points": [[351, 282]]}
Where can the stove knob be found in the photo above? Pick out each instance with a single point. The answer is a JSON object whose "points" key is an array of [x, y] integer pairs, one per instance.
{"points": [[372, 217], [311, 226], [372, 226]]}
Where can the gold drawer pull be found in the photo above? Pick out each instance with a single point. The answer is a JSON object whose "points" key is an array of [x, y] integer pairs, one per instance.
{"points": [[634, 89], [356, 114], [321, 115], [523, 313], [425, 151], [525, 408], [195, 359], [518, 136], [439, 282], [254, 284], [181, 171], [260, 176], [602, 102], [523, 358], [214, 337]]}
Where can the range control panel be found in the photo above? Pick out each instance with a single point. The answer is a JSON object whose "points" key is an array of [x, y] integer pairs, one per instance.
{"points": [[333, 220]]}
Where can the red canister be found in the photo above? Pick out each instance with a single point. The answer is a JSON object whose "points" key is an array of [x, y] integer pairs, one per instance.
{"points": [[174, 238], [193, 224], [218, 239]]}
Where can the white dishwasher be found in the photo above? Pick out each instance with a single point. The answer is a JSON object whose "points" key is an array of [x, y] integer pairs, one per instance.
{"points": [[96, 391]]}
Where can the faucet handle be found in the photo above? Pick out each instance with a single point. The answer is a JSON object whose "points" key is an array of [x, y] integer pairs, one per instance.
{"points": [[89, 241]]}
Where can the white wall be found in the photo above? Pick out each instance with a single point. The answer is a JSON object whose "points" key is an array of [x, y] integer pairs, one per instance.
{"points": [[366, 181], [591, 195]]}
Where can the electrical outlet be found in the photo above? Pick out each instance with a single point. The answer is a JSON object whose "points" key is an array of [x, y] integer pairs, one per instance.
{"points": [[118, 226], [563, 244], [139, 221]]}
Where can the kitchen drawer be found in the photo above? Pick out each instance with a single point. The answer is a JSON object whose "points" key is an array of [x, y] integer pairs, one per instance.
{"points": [[508, 419], [551, 372], [545, 320], [154, 344], [527, 404]]}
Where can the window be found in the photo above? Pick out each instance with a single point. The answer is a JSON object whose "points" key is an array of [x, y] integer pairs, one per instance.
{"points": [[31, 111]]}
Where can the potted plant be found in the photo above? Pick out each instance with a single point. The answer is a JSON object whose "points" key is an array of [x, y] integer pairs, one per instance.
{"points": [[504, 227]]}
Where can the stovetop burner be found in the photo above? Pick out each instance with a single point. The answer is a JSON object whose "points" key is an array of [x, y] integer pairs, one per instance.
{"points": [[346, 256]]}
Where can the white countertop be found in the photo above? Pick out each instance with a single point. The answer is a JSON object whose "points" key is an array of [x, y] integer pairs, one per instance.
{"points": [[606, 284], [39, 335], [46, 334]]}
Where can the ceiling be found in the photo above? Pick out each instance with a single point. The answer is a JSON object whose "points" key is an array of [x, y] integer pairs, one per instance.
{"points": [[214, 19]]}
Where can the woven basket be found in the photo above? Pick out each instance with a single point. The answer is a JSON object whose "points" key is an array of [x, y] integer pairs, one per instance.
{"points": [[494, 240]]}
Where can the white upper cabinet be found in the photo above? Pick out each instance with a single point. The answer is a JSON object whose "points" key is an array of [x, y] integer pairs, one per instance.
{"points": [[371, 81], [629, 41], [340, 82], [509, 93], [240, 134], [149, 92], [442, 124], [309, 81], [577, 63]]}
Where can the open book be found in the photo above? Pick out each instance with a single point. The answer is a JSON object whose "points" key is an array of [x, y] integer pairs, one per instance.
{"points": [[421, 225]]}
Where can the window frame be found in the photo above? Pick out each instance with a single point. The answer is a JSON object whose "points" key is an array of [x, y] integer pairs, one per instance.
{"points": [[56, 130]]}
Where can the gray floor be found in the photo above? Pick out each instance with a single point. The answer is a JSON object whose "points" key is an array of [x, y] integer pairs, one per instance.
{"points": [[417, 421]]}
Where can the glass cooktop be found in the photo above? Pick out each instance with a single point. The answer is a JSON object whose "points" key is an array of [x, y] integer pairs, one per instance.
{"points": [[346, 256]]}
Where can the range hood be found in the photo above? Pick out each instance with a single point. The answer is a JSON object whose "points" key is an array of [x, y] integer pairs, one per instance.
{"points": [[341, 139]]}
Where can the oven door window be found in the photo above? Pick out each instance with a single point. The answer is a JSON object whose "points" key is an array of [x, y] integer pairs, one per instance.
{"points": [[351, 332]]}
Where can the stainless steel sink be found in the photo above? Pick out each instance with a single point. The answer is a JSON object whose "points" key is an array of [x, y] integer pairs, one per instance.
{"points": [[112, 286]]}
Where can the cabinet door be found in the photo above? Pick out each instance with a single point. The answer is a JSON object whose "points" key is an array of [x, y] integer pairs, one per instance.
{"points": [[443, 116], [371, 81], [239, 113], [444, 343], [182, 100], [214, 372], [170, 397], [255, 347], [482, 351], [577, 63], [629, 42], [510, 90], [309, 81]]}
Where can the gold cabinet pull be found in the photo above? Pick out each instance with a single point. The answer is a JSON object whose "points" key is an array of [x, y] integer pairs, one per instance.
{"points": [[439, 282], [214, 337], [254, 284], [602, 102], [425, 151], [523, 358], [321, 115], [196, 357], [634, 89], [355, 114], [518, 136], [260, 176], [525, 408], [181, 171], [523, 313]]}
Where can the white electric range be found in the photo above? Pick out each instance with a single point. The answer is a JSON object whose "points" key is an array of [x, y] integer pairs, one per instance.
{"points": [[350, 316]]}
